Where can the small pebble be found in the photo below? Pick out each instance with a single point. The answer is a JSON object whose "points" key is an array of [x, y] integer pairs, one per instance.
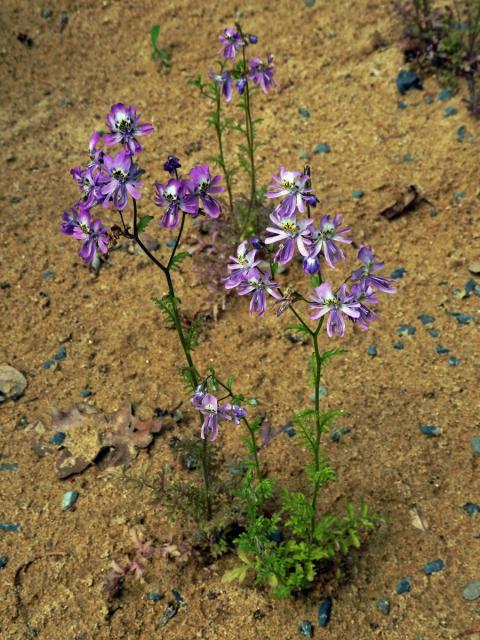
{"points": [[471, 509], [310, 3], [325, 611], [470, 286], [426, 319], [461, 131], [441, 350], [86, 392], [47, 13], [290, 431], [171, 611], [433, 567], [433, 212], [11, 527], [407, 80], [383, 605], [472, 590], [22, 422], [323, 147], [372, 350], [450, 111], [434, 333], [3, 561], [306, 628], [171, 243], [404, 586], [322, 392], [191, 461], [179, 598], [276, 536], [474, 267], [304, 155], [398, 273], [253, 402], [69, 499], [476, 444], [407, 157], [445, 94], [304, 112], [405, 330], [47, 275], [430, 430], [459, 195], [463, 318], [48, 363], [155, 596], [428, 100], [337, 434], [453, 361], [398, 345], [8, 466], [357, 194], [12, 383], [402, 105], [57, 438], [61, 354]]}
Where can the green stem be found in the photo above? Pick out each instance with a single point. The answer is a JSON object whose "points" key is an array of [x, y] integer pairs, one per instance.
{"points": [[181, 335], [318, 431], [250, 142], [254, 448], [218, 129]]}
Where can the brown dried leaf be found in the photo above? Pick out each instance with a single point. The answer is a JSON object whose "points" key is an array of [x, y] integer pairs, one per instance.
{"points": [[418, 519], [409, 199]]}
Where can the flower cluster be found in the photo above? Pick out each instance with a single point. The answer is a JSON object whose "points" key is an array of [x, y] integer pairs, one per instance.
{"points": [[316, 244], [259, 72], [207, 404]]}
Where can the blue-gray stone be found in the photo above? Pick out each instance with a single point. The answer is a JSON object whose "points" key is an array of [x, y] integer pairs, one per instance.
{"points": [[372, 350], [325, 611], [426, 319], [441, 350], [443, 282], [323, 147], [472, 590], [85, 393], [405, 330], [430, 430], [407, 157], [401, 105], [8, 466], [461, 133], [171, 610], [179, 599], [445, 94], [61, 354], [428, 100], [304, 112], [191, 461], [433, 567], [57, 438], [434, 333], [459, 195], [455, 314], [69, 499], [47, 275], [310, 3], [450, 111], [303, 155], [306, 628], [433, 212], [383, 605], [407, 80], [398, 345], [3, 561], [322, 392], [471, 509], [171, 243], [337, 434], [463, 318], [154, 596], [290, 431], [470, 286], [276, 536], [235, 469], [476, 444], [357, 194], [11, 527], [48, 363], [404, 586], [398, 273], [453, 361]]}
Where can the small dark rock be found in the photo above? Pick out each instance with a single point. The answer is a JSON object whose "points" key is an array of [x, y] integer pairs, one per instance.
{"points": [[407, 80], [48, 275], [325, 611], [461, 133], [11, 527], [171, 243], [57, 438], [304, 112], [404, 586], [450, 111], [62, 23], [405, 330], [191, 461], [86, 392], [445, 94], [8, 466], [290, 431], [323, 147], [276, 536], [48, 363], [47, 13], [155, 596], [459, 195], [3, 562], [428, 100], [69, 499], [441, 349], [398, 273], [471, 509], [25, 39], [470, 286], [472, 590], [61, 353], [22, 423], [383, 605], [430, 430], [357, 194], [434, 333], [433, 567], [426, 319], [179, 599], [337, 434], [306, 628], [258, 614], [463, 318], [372, 350], [476, 444], [453, 361], [170, 612], [402, 105], [310, 3], [399, 345]]}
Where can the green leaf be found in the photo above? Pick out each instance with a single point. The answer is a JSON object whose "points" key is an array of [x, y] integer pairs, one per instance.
{"points": [[328, 355], [143, 223], [237, 573], [154, 33], [179, 258], [274, 266], [316, 280], [299, 328]]}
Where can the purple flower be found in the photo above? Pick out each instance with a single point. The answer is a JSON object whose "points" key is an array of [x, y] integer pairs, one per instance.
{"points": [[225, 82], [171, 165], [198, 395], [363, 293], [96, 155], [262, 72], [241, 266], [209, 407], [291, 186], [241, 84], [324, 239], [336, 305], [238, 413], [366, 273], [288, 231], [94, 235], [252, 39], [259, 286], [311, 265], [231, 42], [173, 196], [124, 126], [120, 179], [202, 185], [90, 186]]}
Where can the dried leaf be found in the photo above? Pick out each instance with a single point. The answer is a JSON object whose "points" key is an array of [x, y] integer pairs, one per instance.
{"points": [[408, 200], [418, 519]]}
